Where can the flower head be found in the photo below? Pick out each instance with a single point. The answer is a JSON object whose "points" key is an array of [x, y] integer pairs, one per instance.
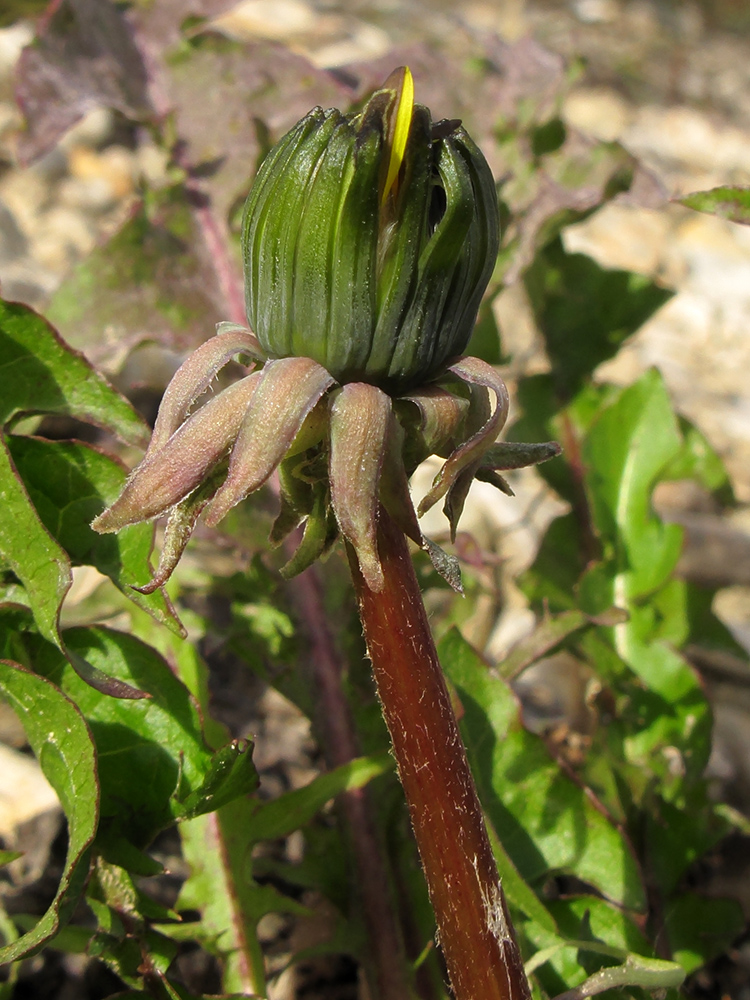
{"points": [[368, 241], [376, 263]]}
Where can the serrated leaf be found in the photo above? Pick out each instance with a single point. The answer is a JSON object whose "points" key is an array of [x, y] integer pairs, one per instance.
{"points": [[222, 889], [69, 483], [731, 203], [64, 748], [83, 57], [546, 822]]}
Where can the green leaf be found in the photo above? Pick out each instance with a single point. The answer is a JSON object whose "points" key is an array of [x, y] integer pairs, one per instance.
{"points": [[676, 837], [42, 374], [591, 933], [548, 634], [64, 748], [697, 460], [542, 417], [520, 895], [552, 581], [731, 203], [699, 928], [230, 774], [124, 934], [219, 851], [69, 483], [221, 888], [27, 547], [152, 754], [652, 974], [624, 454], [295, 809], [545, 821], [585, 312]]}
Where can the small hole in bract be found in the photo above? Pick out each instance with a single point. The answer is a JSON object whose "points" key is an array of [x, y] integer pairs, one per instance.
{"points": [[438, 205]]}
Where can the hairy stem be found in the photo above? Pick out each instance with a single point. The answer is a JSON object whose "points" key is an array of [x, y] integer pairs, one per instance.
{"points": [[475, 932], [388, 970]]}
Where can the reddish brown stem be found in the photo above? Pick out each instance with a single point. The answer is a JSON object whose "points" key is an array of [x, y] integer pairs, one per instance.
{"points": [[388, 969], [474, 928]]}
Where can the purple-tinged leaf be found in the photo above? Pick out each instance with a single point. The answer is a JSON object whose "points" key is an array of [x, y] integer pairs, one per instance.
{"points": [[221, 91], [161, 23], [155, 278], [731, 203], [83, 57]]}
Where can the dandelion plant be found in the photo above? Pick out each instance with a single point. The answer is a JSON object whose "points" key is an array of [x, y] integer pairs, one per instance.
{"points": [[368, 241]]}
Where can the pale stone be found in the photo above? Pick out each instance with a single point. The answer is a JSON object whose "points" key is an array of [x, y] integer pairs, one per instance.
{"points": [[152, 165], [519, 335], [622, 236], [277, 20], [681, 135], [24, 791], [596, 11], [365, 41], [114, 165], [13, 40], [63, 238], [507, 19], [598, 111], [92, 130]]}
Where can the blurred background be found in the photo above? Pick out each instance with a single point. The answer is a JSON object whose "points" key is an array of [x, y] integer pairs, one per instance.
{"points": [[670, 80]]}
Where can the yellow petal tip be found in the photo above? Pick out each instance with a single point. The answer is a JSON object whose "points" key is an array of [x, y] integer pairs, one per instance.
{"points": [[403, 84]]}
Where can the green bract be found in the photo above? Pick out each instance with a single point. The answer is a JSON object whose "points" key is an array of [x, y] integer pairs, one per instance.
{"points": [[369, 239]]}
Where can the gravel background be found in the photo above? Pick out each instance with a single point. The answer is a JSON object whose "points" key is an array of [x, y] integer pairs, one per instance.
{"points": [[671, 81]]}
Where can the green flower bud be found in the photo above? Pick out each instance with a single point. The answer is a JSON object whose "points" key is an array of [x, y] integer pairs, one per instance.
{"points": [[369, 239]]}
